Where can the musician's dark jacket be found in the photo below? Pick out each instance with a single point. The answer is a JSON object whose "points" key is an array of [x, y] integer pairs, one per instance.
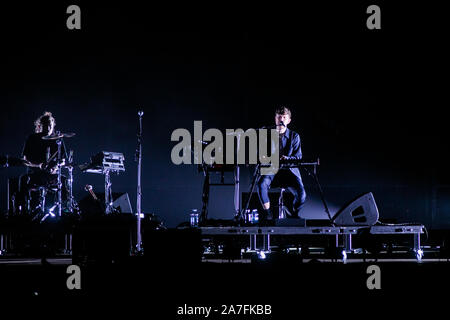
{"points": [[290, 147], [37, 150]]}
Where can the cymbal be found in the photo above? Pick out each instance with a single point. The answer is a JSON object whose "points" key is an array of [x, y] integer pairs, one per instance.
{"points": [[53, 137], [69, 134], [59, 136]]}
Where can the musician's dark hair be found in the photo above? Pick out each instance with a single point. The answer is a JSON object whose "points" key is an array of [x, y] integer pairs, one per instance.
{"points": [[46, 117], [283, 110]]}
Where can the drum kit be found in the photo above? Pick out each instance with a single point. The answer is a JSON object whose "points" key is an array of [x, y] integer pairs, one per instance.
{"points": [[51, 184], [46, 192]]}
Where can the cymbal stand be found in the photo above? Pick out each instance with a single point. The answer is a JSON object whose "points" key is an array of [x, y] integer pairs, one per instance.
{"points": [[58, 204], [108, 193], [72, 203], [139, 188], [58, 142]]}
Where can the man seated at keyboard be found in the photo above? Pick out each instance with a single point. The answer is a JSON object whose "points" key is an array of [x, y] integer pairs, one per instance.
{"points": [[289, 178]]}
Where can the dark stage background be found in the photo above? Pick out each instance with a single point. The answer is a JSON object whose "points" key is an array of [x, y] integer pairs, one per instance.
{"points": [[370, 104]]}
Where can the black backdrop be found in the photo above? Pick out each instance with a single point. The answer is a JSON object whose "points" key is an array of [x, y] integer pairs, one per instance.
{"points": [[370, 104]]}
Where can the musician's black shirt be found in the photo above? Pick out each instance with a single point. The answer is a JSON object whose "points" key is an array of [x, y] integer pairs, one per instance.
{"points": [[38, 150]]}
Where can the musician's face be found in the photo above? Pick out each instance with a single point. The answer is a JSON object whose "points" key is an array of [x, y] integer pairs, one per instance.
{"points": [[48, 128], [282, 117]]}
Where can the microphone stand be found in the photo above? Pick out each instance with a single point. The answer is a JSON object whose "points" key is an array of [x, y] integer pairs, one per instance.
{"points": [[256, 176], [58, 142], [139, 193]]}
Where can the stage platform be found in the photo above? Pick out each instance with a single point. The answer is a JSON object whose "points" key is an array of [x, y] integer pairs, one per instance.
{"points": [[342, 236], [293, 230], [166, 277]]}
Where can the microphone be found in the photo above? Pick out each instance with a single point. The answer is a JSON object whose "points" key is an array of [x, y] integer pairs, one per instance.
{"points": [[140, 113], [274, 126]]}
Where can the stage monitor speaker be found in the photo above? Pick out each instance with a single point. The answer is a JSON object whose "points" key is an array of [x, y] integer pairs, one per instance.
{"points": [[121, 202], [362, 211]]}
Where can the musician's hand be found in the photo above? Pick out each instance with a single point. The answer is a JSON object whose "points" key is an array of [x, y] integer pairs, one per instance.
{"points": [[283, 158]]}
